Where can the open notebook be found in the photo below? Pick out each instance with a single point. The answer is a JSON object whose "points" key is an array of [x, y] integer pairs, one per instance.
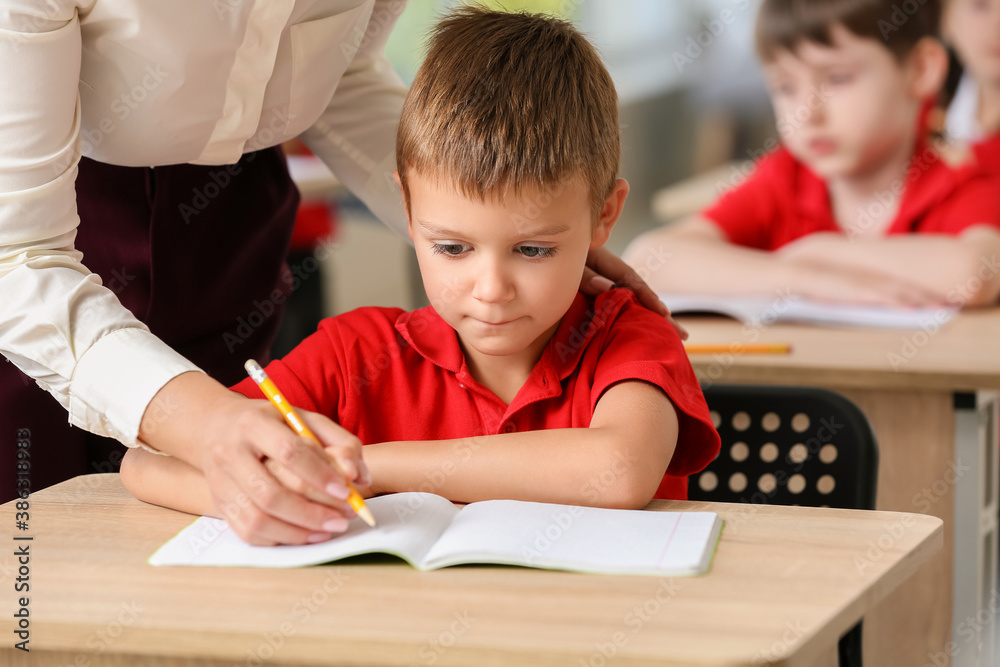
{"points": [[767, 310], [429, 532]]}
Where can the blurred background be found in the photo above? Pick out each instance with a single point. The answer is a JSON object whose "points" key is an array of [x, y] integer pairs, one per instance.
{"points": [[691, 99]]}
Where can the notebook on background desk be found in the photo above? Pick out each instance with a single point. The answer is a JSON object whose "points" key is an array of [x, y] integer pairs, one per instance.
{"points": [[753, 310], [430, 532]]}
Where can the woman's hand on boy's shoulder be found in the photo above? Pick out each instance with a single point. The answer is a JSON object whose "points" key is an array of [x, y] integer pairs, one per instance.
{"points": [[606, 270]]}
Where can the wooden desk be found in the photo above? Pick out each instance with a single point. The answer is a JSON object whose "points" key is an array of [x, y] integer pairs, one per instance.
{"points": [[694, 194], [932, 401], [784, 585]]}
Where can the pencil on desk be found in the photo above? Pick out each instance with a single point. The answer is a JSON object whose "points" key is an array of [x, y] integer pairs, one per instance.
{"points": [[739, 348], [270, 390]]}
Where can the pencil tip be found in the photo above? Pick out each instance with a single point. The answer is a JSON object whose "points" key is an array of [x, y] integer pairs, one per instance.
{"points": [[366, 516]]}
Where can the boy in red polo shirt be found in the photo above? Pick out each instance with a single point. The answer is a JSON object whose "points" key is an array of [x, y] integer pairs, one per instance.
{"points": [[512, 384], [854, 206]]}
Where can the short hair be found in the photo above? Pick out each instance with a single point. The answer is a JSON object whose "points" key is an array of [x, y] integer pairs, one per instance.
{"points": [[505, 101], [898, 24]]}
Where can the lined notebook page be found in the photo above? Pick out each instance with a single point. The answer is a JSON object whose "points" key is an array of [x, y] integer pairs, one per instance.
{"points": [[578, 538], [408, 524]]}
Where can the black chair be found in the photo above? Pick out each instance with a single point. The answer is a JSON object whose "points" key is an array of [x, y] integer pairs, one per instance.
{"points": [[791, 446]]}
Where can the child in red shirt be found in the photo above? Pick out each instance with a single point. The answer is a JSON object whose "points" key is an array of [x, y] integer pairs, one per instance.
{"points": [[512, 384], [972, 27], [854, 206]]}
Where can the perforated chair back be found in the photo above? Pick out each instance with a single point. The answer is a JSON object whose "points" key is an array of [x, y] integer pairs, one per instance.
{"points": [[789, 446]]}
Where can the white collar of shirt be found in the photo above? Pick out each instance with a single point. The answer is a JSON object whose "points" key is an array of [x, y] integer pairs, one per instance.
{"points": [[960, 122]]}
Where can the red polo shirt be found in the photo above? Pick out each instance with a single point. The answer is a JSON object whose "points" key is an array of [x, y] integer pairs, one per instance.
{"points": [[389, 375], [783, 200], [987, 153]]}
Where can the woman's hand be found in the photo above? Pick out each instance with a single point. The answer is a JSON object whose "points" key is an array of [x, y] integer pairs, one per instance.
{"points": [[229, 437], [605, 270]]}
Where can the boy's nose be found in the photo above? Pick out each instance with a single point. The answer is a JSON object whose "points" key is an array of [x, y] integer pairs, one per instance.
{"points": [[492, 283], [813, 107]]}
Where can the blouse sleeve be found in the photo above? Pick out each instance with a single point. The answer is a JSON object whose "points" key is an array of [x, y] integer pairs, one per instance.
{"points": [[356, 134], [58, 324]]}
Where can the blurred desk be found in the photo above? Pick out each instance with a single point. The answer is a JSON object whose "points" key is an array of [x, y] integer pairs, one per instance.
{"points": [[694, 194], [783, 587], [931, 397]]}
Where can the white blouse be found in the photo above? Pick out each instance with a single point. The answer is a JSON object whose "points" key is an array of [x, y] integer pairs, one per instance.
{"points": [[148, 83]]}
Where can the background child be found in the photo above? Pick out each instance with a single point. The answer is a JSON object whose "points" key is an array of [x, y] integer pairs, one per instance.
{"points": [[972, 28], [512, 384], [854, 206]]}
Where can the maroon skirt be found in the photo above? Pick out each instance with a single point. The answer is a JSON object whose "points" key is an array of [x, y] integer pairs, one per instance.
{"points": [[195, 252]]}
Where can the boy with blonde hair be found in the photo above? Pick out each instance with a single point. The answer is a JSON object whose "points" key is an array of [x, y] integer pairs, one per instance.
{"points": [[855, 206], [512, 384]]}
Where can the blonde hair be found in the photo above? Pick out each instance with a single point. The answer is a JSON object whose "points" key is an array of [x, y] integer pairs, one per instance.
{"points": [[509, 100]]}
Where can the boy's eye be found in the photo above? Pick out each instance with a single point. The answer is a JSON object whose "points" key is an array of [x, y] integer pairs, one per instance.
{"points": [[451, 249], [534, 252]]}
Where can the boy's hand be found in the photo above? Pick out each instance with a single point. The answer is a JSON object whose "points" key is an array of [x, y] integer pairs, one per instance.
{"points": [[605, 270]]}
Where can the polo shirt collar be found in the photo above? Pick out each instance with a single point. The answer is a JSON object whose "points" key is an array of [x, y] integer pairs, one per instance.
{"points": [[927, 182]]}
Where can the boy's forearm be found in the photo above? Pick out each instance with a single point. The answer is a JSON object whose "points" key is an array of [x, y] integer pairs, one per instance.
{"points": [[962, 270], [694, 259], [583, 466], [166, 481]]}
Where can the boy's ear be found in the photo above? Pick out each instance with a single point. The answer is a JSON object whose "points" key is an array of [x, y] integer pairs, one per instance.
{"points": [[406, 203], [609, 214], [928, 68]]}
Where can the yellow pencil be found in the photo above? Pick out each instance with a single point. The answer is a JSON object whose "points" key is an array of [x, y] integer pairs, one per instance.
{"points": [[739, 348], [267, 386]]}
